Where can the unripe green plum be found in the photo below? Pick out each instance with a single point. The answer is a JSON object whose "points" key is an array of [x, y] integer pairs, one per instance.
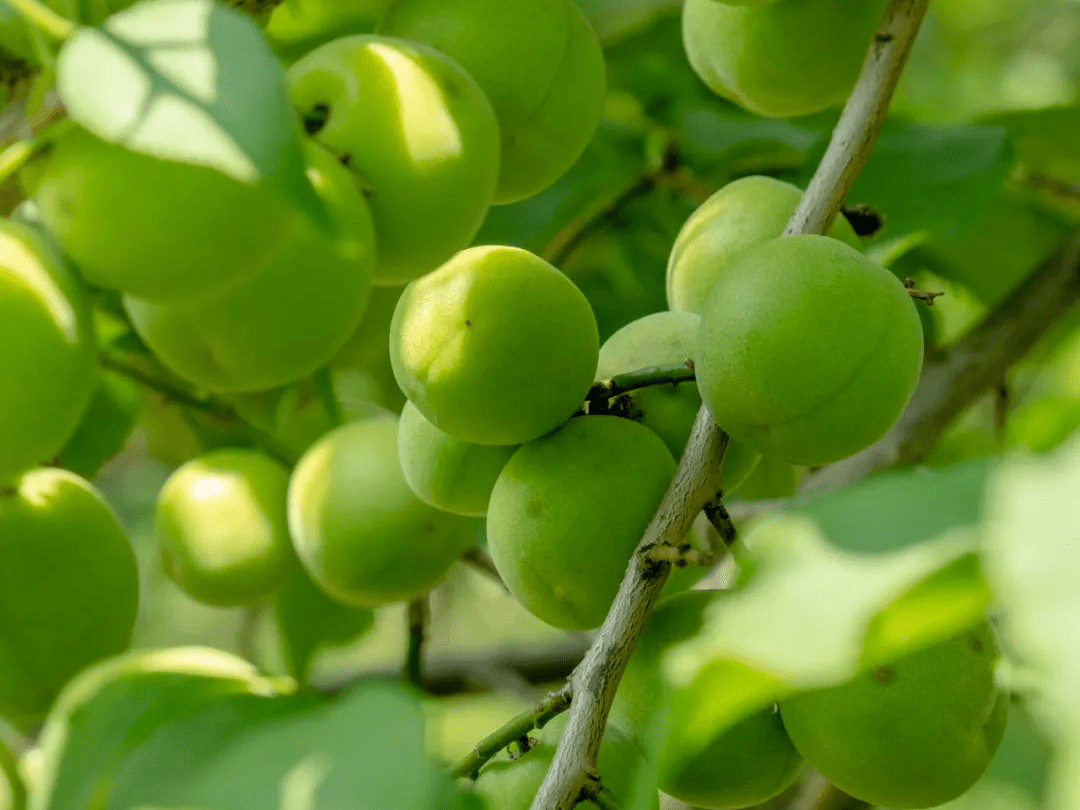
{"points": [[494, 347], [511, 784], [155, 228], [808, 351], [298, 26], [915, 733], [743, 764], [540, 64], [780, 59], [358, 528], [419, 135], [220, 521], [69, 588], [567, 512], [742, 214], [287, 320], [105, 426], [448, 473], [770, 478], [661, 339], [47, 365]]}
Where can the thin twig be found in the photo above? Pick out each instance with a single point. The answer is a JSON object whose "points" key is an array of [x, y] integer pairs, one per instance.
{"points": [[696, 479], [537, 717], [207, 405], [414, 655], [601, 797], [671, 374], [482, 562], [246, 632]]}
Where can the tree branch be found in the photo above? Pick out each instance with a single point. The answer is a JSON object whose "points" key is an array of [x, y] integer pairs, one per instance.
{"points": [[696, 479], [482, 562], [973, 365], [552, 706], [672, 374]]}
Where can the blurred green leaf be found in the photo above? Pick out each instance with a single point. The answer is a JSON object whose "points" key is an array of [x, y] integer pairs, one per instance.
{"points": [[191, 81], [933, 178], [1046, 141], [1032, 560], [110, 709], [106, 424], [364, 750]]}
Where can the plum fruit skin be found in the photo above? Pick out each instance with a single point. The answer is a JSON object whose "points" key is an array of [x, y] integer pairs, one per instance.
{"points": [[808, 351], [220, 521], [742, 214], [912, 734], [59, 537], [448, 473], [781, 59], [287, 320], [418, 134], [667, 338], [743, 764], [540, 64], [359, 530], [112, 208], [567, 512], [494, 347], [48, 367]]}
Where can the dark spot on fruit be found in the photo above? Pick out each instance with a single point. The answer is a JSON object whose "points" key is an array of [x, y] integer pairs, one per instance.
{"points": [[345, 159], [468, 323], [316, 119], [976, 644], [7, 492], [534, 509], [884, 675]]}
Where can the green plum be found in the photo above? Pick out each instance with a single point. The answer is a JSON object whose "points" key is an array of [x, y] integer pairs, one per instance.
{"points": [[48, 367], [567, 512], [744, 213], [666, 338], [741, 765], [155, 228], [69, 588], [494, 347], [298, 26], [359, 530], [808, 351], [915, 733], [780, 59], [448, 473], [106, 424], [417, 132], [287, 320], [770, 478], [511, 784], [540, 64], [221, 525]]}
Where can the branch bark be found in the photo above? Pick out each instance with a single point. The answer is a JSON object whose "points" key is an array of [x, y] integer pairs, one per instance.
{"points": [[696, 479]]}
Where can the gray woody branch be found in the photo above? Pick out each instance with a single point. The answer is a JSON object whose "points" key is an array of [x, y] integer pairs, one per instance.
{"points": [[695, 484]]}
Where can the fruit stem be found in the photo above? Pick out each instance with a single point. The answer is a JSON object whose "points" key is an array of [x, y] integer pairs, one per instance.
{"points": [[16, 156], [552, 706], [414, 654], [324, 386], [44, 18], [643, 378]]}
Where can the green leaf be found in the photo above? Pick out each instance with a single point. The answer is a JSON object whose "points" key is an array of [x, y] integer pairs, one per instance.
{"points": [[1045, 140], [308, 620], [851, 580], [1032, 560], [111, 708], [364, 750], [933, 178], [191, 81]]}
